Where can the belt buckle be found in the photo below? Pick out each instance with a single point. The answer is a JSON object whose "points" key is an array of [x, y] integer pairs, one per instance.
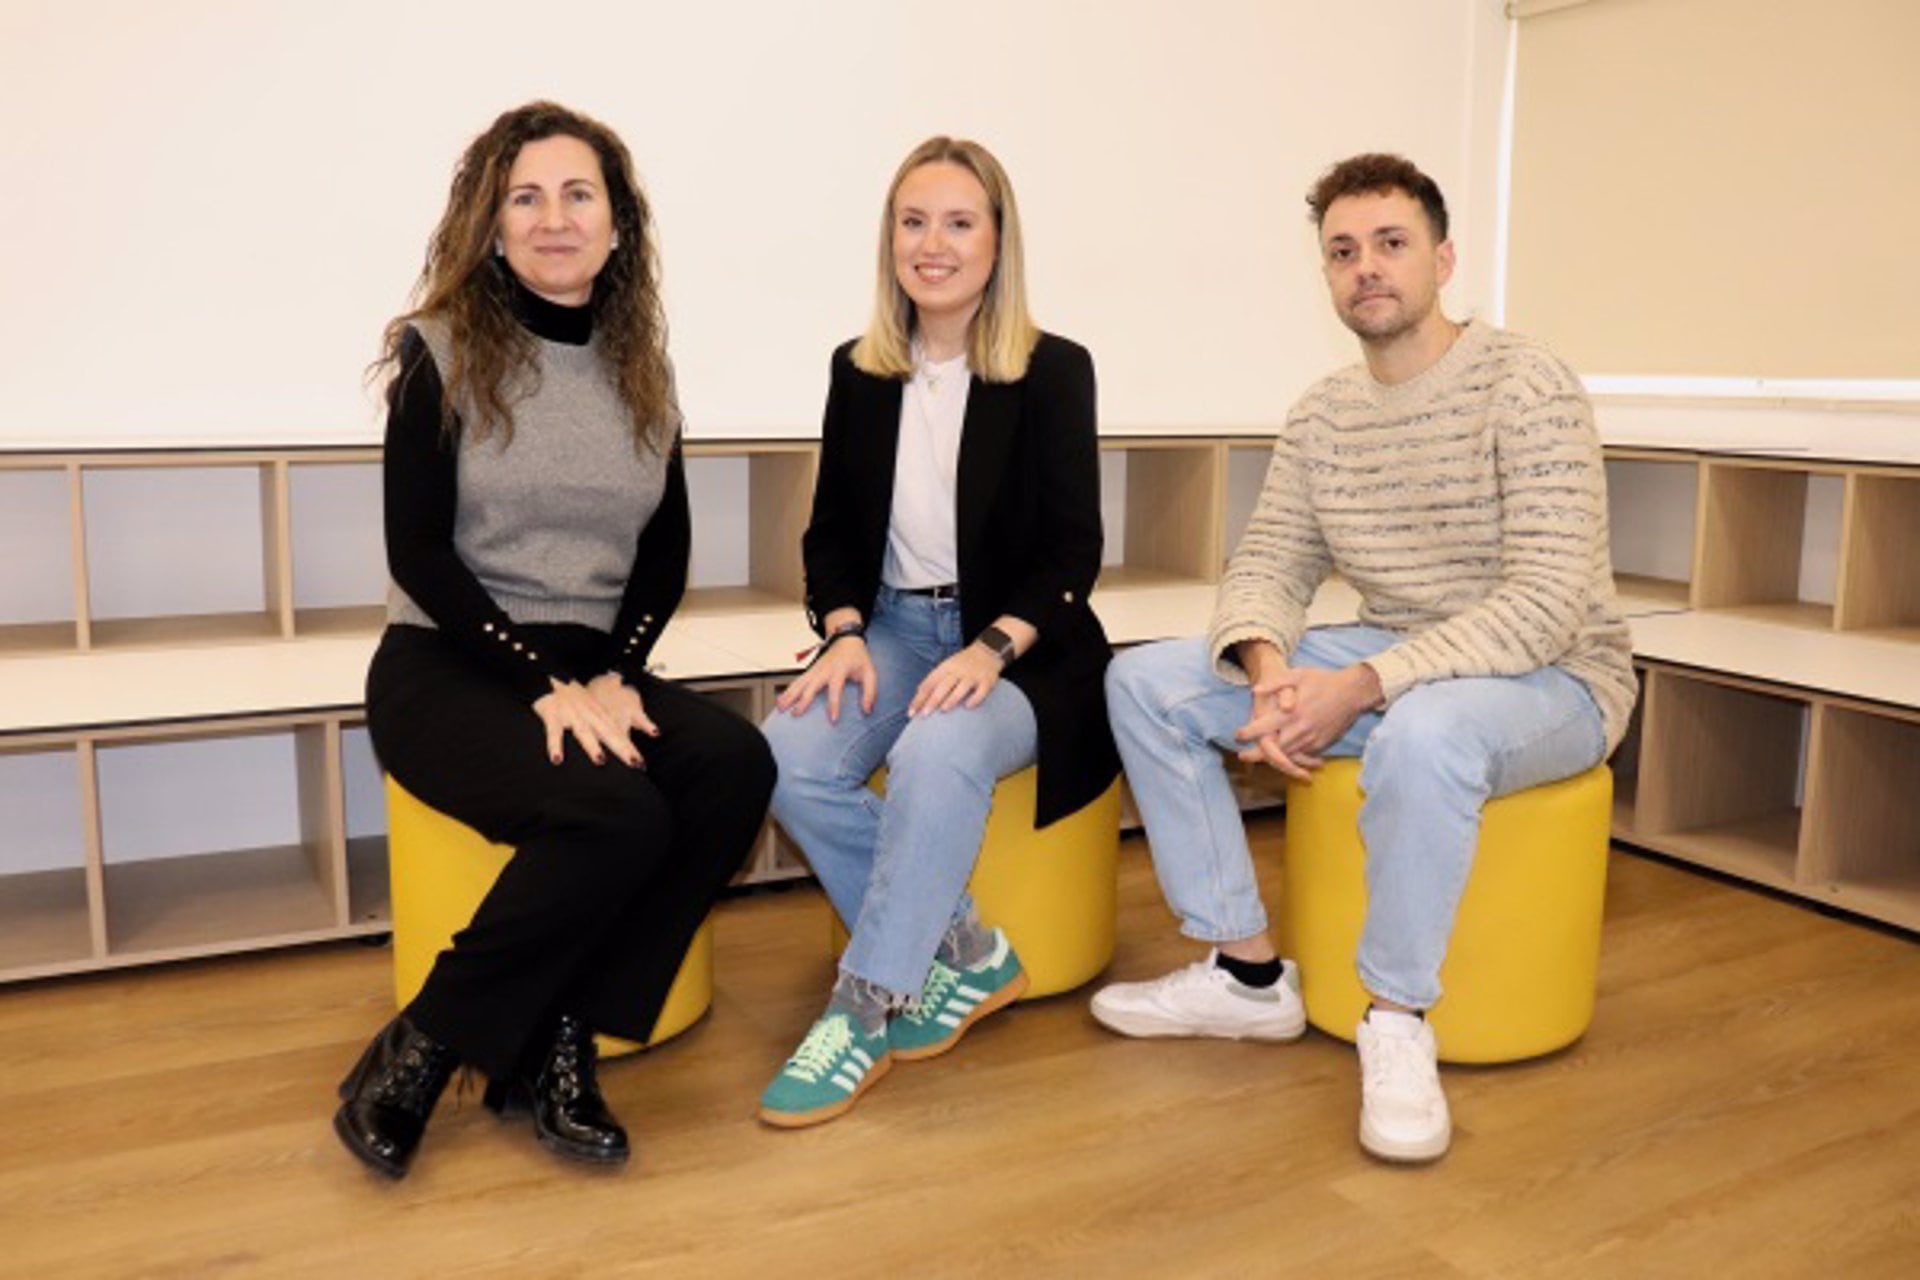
{"points": [[945, 591]]}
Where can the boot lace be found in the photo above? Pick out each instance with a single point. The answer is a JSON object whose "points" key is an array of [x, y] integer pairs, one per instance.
{"points": [[414, 1077]]}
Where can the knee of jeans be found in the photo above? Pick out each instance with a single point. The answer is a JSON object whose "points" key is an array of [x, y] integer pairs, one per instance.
{"points": [[1119, 683], [1136, 681], [1405, 751], [943, 750], [795, 750]]}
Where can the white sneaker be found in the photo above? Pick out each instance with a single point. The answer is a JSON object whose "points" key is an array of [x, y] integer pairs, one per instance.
{"points": [[1403, 1113], [1204, 1000]]}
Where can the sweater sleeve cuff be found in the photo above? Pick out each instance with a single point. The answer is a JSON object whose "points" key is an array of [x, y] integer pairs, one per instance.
{"points": [[1396, 672], [1221, 642]]}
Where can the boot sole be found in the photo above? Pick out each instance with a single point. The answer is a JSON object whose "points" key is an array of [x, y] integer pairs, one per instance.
{"points": [[833, 1110], [360, 1153], [992, 1004], [598, 1157]]}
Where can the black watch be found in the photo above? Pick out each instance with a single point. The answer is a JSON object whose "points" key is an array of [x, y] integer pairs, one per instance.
{"points": [[841, 632], [1000, 643]]}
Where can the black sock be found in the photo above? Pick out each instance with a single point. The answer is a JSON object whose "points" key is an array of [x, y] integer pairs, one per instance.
{"points": [[1250, 973]]}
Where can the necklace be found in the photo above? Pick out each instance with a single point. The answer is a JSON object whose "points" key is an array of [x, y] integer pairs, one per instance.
{"points": [[931, 372]]}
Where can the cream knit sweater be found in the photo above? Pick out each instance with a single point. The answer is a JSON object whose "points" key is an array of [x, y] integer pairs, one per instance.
{"points": [[1468, 508]]}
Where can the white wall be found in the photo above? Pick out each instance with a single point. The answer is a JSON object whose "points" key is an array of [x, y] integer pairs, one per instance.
{"points": [[211, 206]]}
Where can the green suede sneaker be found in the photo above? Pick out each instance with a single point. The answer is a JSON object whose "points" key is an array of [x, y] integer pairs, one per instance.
{"points": [[833, 1066], [954, 999]]}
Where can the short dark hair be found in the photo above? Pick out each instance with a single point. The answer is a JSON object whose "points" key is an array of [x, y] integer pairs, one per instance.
{"points": [[1378, 172]]}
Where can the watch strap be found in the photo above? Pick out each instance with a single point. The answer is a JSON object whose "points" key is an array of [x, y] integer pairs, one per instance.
{"points": [[1000, 643]]}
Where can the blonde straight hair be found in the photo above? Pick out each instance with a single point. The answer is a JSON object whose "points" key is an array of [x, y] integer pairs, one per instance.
{"points": [[1002, 334]]}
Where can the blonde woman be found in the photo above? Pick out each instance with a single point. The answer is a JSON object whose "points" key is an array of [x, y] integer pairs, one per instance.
{"points": [[954, 538]]}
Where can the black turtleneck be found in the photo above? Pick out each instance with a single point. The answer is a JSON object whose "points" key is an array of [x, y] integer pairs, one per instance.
{"points": [[546, 319]]}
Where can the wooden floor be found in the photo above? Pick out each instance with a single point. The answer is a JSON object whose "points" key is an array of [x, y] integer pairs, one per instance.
{"points": [[1746, 1104]]}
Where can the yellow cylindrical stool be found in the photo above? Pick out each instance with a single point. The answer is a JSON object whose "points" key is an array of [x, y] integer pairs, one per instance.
{"points": [[1054, 890], [440, 869], [1521, 968]]}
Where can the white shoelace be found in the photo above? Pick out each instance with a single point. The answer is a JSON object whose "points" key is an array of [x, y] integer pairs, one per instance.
{"points": [[1400, 1067]]}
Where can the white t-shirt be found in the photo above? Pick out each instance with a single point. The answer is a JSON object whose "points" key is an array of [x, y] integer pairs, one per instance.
{"points": [[922, 537]]}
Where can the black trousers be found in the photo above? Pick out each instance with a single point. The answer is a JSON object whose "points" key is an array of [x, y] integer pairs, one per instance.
{"points": [[614, 868]]}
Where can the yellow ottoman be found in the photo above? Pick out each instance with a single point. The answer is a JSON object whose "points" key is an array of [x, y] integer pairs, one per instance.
{"points": [[440, 870], [1053, 891], [1521, 969]]}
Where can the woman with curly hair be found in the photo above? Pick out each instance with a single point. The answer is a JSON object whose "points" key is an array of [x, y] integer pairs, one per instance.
{"points": [[538, 537]]}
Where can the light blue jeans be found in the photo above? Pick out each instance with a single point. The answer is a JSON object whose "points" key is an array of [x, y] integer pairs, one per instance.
{"points": [[1427, 765], [897, 869]]}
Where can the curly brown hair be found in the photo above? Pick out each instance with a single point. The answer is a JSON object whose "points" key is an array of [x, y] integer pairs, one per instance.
{"points": [[463, 286], [1376, 172]]}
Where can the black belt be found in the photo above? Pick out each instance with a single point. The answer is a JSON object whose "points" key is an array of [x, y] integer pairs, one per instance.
{"points": [[945, 591]]}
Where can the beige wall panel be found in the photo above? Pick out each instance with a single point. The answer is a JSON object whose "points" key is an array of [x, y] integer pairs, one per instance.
{"points": [[1720, 187]]}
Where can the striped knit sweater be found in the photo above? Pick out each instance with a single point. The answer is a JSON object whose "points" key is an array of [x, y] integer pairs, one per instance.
{"points": [[1467, 507]]}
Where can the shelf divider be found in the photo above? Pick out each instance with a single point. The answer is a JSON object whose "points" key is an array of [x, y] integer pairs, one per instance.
{"points": [[77, 532], [94, 843], [276, 553]]}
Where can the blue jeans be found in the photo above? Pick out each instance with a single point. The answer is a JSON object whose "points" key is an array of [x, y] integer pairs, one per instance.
{"points": [[896, 869], [1427, 765]]}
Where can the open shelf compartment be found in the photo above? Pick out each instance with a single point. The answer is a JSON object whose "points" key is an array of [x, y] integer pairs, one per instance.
{"points": [[1769, 542], [1879, 587], [1625, 763], [1721, 769], [266, 864], [1160, 503], [185, 554], [38, 595], [1863, 824], [751, 562], [1244, 475], [776, 857], [337, 546], [1652, 513], [369, 893], [46, 919]]}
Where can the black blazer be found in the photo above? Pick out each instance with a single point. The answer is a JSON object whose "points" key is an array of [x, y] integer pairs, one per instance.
{"points": [[1028, 525]]}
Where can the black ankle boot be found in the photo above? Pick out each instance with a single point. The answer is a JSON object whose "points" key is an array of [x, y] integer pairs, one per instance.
{"points": [[570, 1117], [390, 1093]]}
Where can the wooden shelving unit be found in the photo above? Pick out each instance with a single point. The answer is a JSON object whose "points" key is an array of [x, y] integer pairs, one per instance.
{"points": [[1776, 739], [1775, 607]]}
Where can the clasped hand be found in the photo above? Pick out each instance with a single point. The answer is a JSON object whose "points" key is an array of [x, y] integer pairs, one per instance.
{"points": [[601, 715], [1298, 712]]}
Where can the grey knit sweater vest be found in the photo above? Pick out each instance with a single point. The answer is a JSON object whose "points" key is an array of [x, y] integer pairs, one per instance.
{"points": [[548, 522]]}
